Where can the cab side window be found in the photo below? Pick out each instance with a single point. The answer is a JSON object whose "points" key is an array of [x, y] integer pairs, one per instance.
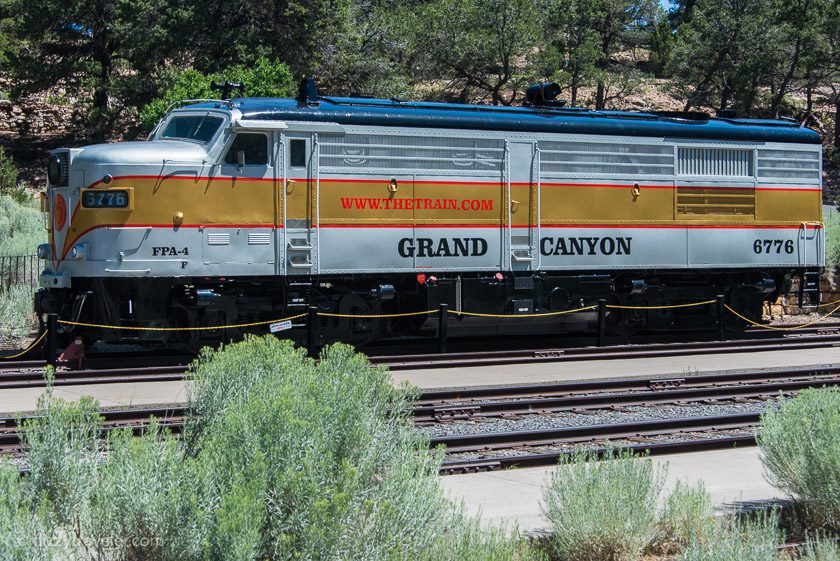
{"points": [[253, 145]]}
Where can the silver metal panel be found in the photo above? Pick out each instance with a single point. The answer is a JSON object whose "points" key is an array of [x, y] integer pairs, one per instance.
{"points": [[367, 249], [573, 247], [751, 247]]}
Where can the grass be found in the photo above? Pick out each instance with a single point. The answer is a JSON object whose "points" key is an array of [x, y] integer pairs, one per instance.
{"points": [[800, 451], [602, 510], [289, 459]]}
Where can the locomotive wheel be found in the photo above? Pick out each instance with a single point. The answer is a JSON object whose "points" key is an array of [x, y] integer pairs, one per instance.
{"points": [[183, 340]]}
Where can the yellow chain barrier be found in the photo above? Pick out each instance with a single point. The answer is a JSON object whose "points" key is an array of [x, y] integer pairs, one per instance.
{"points": [[828, 304], [403, 315], [429, 312], [789, 328], [202, 328], [692, 304], [519, 316], [27, 349]]}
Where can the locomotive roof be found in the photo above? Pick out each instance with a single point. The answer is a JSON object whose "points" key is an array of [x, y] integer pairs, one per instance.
{"points": [[547, 119]]}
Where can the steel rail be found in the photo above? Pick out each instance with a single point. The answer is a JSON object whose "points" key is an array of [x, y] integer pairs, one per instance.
{"points": [[496, 358], [595, 437]]}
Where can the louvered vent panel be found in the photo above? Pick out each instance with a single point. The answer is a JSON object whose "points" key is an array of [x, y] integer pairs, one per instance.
{"points": [[715, 161], [699, 202], [218, 239], [360, 151], [789, 164], [605, 158], [259, 238]]}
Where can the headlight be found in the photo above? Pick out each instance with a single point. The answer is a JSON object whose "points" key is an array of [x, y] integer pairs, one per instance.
{"points": [[54, 169], [77, 251], [44, 251]]}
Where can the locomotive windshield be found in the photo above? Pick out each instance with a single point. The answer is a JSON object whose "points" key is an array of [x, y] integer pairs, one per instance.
{"points": [[199, 128]]}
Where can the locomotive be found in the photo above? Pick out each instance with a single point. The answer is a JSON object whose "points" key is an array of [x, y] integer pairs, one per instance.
{"points": [[242, 210]]}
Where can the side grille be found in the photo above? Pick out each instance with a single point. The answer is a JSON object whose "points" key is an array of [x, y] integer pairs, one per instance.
{"points": [[715, 161], [259, 238], [699, 202], [799, 165], [218, 239]]}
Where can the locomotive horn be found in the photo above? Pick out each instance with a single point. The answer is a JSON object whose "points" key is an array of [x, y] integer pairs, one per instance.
{"points": [[227, 88]]}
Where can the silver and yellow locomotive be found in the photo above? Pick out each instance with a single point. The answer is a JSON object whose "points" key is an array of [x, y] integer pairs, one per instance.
{"points": [[249, 209]]}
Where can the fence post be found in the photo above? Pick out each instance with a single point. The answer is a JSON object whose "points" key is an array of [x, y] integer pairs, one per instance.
{"points": [[50, 349], [442, 317], [311, 332], [602, 322], [721, 301]]}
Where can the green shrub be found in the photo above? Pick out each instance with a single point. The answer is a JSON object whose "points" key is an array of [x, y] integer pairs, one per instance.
{"points": [[832, 239], [688, 514], [290, 459], [21, 227], [326, 447], [9, 179], [25, 531], [801, 452], [265, 78], [62, 441], [16, 316], [821, 548], [602, 510], [143, 504], [738, 539]]}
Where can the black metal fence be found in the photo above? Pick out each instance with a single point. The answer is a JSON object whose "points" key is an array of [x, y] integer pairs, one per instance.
{"points": [[19, 269]]}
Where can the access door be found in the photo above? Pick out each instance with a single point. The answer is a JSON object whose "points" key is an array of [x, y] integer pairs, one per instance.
{"points": [[236, 205], [522, 206], [299, 203]]}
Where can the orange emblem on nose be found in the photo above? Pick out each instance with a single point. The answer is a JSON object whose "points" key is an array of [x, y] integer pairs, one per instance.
{"points": [[60, 212]]}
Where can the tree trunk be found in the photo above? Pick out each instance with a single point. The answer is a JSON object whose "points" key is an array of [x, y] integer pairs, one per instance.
{"points": [[836, 121], [103, 57], [600, 93]]}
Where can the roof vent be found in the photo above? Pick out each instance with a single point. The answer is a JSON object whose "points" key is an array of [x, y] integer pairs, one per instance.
{"points": [[544, 94], [227, 88], [308, 92]]}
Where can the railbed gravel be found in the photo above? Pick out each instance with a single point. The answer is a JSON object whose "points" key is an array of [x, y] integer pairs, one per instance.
{"points": [[595, 417]]}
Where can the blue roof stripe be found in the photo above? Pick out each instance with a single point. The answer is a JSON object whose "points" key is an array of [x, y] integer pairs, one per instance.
{"points": [[377, 112]]}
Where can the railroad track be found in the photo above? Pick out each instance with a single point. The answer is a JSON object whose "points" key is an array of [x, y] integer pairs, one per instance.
{"points": [[170, 417], [26, 374], [498, 450], [545, 447], [530, 356]]}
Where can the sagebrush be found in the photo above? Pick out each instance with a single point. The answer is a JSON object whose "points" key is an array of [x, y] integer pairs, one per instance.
{"points": [[800, 451], [602, 510], [687, 514], [739, 538], [284, 458]]}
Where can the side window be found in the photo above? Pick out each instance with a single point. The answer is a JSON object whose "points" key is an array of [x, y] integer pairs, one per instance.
{"points": [[297, 153], [255, 147]]}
